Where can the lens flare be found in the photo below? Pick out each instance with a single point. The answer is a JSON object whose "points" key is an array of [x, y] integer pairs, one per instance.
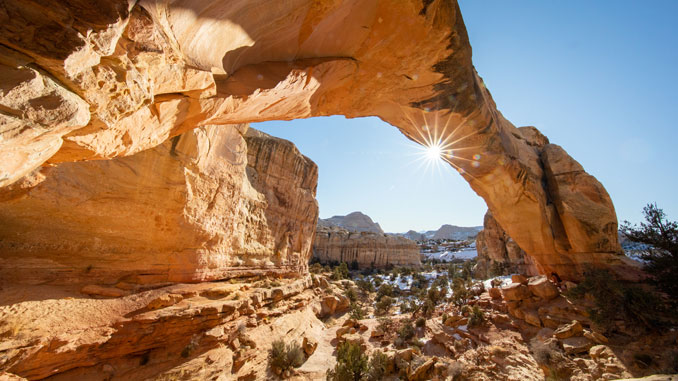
{"points": [[433, 152]]}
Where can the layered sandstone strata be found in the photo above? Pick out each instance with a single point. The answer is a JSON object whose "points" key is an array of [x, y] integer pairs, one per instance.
{"points": [[498, 254], [98, 79], [208, 204], [334, 244]]}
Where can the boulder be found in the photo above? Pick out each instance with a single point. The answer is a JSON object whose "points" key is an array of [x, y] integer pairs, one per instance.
{"points": [[543, 288], [574, 345], [421, 372], [531, 317], [376, 333], [516, 291], [309, 345], [568, 330], [495, 293], [517, 278], [595, 337]]}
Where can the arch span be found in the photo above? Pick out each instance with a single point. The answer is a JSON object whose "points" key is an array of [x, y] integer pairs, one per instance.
{"points": [[98, 79]]}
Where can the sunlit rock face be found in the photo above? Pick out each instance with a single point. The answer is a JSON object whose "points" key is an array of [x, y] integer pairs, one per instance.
{"points": [[367, 249], [208, 204], [121, 77], [499, 254]]}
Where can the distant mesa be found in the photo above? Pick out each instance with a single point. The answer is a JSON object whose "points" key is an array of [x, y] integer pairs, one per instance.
{"points": [[446, 232], [356, 222]]}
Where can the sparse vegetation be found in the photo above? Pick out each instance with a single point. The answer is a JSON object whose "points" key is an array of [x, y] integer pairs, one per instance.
{"points": [[614, 299], [383, 305], [357, 311], [421, 322], [406, 331], [476, 317], [340, 272], [660, 252], [352, 363], [377, 366], [286, 356]]}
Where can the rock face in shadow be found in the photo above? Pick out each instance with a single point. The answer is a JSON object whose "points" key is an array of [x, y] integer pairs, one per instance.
{"points": [[498, 254], [150, 70], [208, 204], [368, 249]]}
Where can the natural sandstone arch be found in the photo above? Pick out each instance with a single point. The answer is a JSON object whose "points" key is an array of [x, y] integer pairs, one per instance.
{"points": [[97, 79]]}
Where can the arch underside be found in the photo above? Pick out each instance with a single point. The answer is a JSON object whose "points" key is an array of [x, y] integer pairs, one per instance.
{"points": [[102, 79]]}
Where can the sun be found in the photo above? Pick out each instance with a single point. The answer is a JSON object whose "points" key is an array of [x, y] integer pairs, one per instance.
{"points": [[433, 152]]}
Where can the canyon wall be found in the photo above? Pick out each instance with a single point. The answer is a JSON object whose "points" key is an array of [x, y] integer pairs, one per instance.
{"points": [[499, 254], [368, 249], [99, 79], [208, 204]]}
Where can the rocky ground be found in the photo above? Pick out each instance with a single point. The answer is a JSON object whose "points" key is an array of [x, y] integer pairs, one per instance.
{"points": [[528, 330]]}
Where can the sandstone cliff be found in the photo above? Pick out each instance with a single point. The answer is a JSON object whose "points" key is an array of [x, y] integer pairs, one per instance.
{"points": [[498, 254], [368, 249], [209, 204], [99, 79]]}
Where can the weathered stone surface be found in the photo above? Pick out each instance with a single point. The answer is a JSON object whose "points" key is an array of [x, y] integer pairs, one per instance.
{"points": [[209, 204], [366, 248], [543, 288], [516, 291], [568, 330], [498, 254], [576, 345], [151, 70]]}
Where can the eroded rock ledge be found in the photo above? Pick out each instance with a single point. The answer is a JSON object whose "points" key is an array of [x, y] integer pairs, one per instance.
{"points": [[213, 203]]}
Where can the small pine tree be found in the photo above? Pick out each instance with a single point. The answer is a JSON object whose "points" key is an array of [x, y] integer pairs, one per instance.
{"points": [[661, 254], [352, 363]]}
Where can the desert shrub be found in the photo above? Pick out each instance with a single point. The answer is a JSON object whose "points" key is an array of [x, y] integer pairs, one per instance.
{"points": [[384, 290], [357, 312], [377, 366], [419, 281], [340, 272], [351, 294], [365, 285], [427, 308], [352, 363], [406, 306], [377, 281], [660, 252], [460, 292], [435, 295], [385, 324], [315, 268], [383, 305], [476, 317], [420, 322], [444, 317], [286, 356], [616, 300], [406, 331]]}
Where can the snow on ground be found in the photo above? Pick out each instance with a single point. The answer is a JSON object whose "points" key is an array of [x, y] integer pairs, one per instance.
{"points": [[448, 256], [505, 281]]}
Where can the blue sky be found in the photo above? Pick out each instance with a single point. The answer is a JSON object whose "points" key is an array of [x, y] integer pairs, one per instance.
{"points": [[598, 78]]}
